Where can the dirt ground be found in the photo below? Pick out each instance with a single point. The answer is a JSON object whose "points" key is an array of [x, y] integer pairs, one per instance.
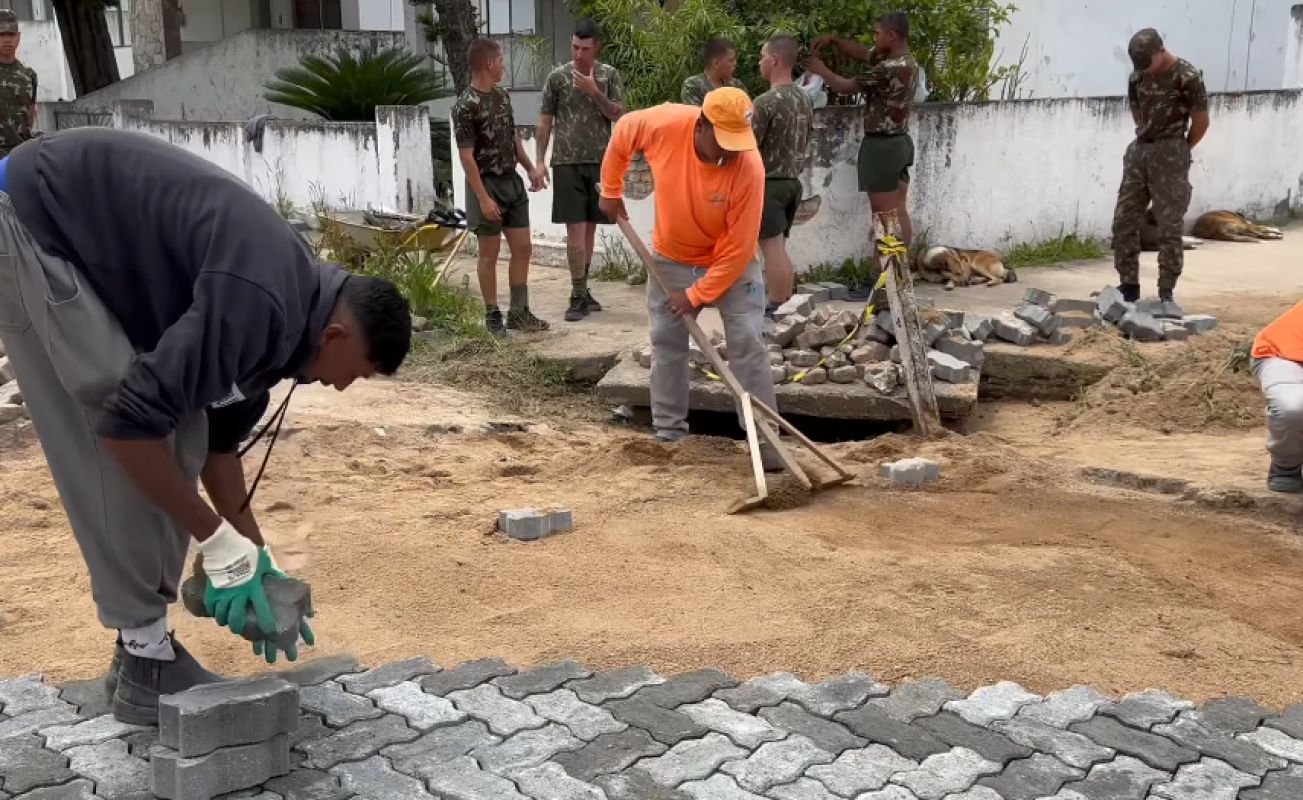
{"points": [[384, 499]]}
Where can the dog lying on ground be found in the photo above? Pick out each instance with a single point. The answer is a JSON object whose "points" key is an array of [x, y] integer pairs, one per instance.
{"points": [[1149, 235], [1229, 226], [955, 267]]}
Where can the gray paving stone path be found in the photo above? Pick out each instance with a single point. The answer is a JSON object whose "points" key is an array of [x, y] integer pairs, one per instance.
{"points": [[561, 731]]}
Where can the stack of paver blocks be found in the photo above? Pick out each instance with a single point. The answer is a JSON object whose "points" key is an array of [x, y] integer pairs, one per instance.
{"points": [[223, 737]]}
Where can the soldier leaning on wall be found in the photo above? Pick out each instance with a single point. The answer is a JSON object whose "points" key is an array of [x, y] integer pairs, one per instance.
{"points": [[17, 88]]}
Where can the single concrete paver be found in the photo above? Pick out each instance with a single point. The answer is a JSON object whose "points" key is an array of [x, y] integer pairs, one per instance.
{"points": [[503, 715], [59, 714], [615, 685], [611, 752], [466, 676], [719, 787], [665, 725], [946, 773], [918, 699], [636, 784], [338, 707], [92, 731], [1290, 721], [803, 789], [911, 741], [585, 720], [438, 746], [527, 748], [1071, 748], [692, 760], [1276, 742], [541, 680], [26, 764], [374, 778], [422, 711], [1122, 777], [26, 694], [388, 675], [1240, 754], [308, 784], [761, 691], [1208, 779], [1062, 708], [842, 693], [744, 729], [829, 735], [1286, 784], [358, 741], [1231, 715], [462, 779], [775, 763], [88, 697], [1147, 709], [550, 782], [319, 670], [688, 687], [1156, 751], [81, 789], [958, 732], [111, 766], [991, 703], [861, 770], [1040, 775]]}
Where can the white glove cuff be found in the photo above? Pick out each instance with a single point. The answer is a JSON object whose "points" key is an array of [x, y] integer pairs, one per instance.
{"points": [[229, 558]]}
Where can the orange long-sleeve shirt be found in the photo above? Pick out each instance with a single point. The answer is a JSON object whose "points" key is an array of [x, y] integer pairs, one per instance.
{"points": [[706, 215], [1283, 338]]}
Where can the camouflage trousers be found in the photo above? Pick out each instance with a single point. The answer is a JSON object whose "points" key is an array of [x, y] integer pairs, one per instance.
{"points": [[1156, 173]]}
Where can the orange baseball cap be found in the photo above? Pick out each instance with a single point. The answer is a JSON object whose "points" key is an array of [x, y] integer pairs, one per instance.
{"points": [[729, 110]]}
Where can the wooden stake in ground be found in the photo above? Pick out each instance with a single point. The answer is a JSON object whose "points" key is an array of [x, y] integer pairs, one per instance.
{"points": [[750, 406], [893, 259]]}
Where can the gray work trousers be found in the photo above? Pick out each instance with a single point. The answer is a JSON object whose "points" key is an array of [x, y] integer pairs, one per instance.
{"points": [[69, 353], [742, 309], [1282, 384]]}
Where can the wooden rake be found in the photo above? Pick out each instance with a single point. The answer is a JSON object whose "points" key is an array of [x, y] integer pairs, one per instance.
{"points": [[751, 407]]}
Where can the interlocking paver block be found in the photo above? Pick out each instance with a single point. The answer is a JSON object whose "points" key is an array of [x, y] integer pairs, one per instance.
{"points": [[111, 766], [422, 711], [1072, 748], [976, 793], [550, 782], [910, 741], [466, 676], [670, 727], [1231, 715], [227, 769], [918, 699], [308, 784], [1284, 784], [775, 763], [388, 675], [692, 760], [310, 729], [26, 694], [59, 714], [462, 779], [889, 793], [1154, 750], [612, 752], [438, 746], [719, 787], [744, 729], [615, 685], [92, 731], [636, 784], [688, 687], [1124, 776], [945, 773], [88, 697], [143, 742], [1147, 709], [1276, 742], [319, 670], [958, 732], [1062, 708], [526, 749], [374, 778], [25, 764], [223, 714], [1241, 755], [585, 720], [1040, 775], [1209, 779], [503, 715], [803, 789], [825, 733], [541, 680], [76, 790], [861, 770], [1290, 721], [991, 703], [360, 740], [340, 708], [842, 693], [761, 691]]}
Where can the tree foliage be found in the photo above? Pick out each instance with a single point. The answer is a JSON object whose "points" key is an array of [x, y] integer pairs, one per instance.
{"points": [[348, 86], [452, 25]]}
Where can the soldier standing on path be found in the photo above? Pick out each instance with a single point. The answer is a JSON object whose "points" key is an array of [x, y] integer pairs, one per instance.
{"points": [[496, 202], [888, 85], [17, 88], [1170, 107], [719, 61], [581, 99], [781, 119]]}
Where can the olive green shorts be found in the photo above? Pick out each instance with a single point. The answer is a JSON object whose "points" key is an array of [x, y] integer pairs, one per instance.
{"points": [[575, 194], [508, 191], [885, 162], [782, 199]]}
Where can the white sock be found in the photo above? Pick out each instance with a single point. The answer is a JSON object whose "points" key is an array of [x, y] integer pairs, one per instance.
{"points": [[151, 641]]}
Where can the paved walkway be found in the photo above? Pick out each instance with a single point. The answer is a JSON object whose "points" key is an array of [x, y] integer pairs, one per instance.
{"points": [[484, 731]]}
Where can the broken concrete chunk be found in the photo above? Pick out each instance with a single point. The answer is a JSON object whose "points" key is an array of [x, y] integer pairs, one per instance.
{"points": [[643, 355], [804, 359], [801, 304], [846, 318], [1142, 327], [932, 332], [868, 353], [979, 327], [1064, 305], [882, 377], [1199, 323], [10, 394], [776, 360], [948, 368], [837, 359], [844, 374], [786, 330], [1038, 317], [1011, 329], [778, 372], [966, 350], [6, 370], [883, 320], [821, 316], [1037, 297], [826, 351], [1110, 304], [896, 355], [821, 335], [911, 471], [815, 377]]}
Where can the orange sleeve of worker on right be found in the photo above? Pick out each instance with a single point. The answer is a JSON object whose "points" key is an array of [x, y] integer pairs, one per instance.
{"points": [[1283, 338]]}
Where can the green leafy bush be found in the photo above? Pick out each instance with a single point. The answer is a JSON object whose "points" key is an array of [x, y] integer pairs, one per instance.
{"points": [[348, 86]]}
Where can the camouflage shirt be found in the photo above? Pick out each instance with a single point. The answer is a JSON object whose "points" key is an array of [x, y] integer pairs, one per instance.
{"points": [[888, 84], [484, 121], [580, 130], [781, 120], [1166, 101], [17, 94], [696, 87]]}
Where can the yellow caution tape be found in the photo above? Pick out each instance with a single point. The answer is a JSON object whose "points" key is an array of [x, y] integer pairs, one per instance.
{"points": [[889, 245]]}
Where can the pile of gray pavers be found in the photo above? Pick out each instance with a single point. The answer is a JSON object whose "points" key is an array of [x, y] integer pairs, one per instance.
{"points": [[11, 400], [1043, 318], [223, 737]]}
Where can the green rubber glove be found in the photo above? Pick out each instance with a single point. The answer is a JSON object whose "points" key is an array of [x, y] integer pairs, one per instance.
{"points": [[268, 649], [228, 605]]}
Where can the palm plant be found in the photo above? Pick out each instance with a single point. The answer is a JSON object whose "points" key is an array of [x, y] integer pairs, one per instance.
{"points": [[348, 86]]}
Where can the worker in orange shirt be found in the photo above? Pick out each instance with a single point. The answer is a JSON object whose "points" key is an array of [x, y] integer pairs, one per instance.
{"points": [[1278, 366], [710, 193]]}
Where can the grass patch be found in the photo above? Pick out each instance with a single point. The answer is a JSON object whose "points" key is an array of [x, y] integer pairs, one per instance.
{"points": [[1068, 247], [618, 262]]}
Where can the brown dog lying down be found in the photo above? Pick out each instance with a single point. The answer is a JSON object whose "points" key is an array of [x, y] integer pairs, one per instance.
{"points": [[1149, 235], [955, 267], [1229, 226]]}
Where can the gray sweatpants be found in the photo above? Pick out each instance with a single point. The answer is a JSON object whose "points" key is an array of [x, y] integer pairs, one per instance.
{"points": [[68, 354], [742, 309], [1282, 384]]}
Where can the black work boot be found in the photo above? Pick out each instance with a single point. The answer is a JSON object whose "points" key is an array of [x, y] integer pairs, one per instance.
{"points": [[578, 308], [493, 322], [593, 305], [115, 666], [1130, 292], [1169, 307], [1288, 480], [142, 680]]}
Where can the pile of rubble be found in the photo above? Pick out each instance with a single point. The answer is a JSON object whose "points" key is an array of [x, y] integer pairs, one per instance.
{"points": [[11, 400], [1042, 317]]}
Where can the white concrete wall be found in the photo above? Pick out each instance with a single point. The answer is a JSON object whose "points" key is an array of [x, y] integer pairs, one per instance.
{"points": [[991, 175], [1078, 49], [41, 48]]}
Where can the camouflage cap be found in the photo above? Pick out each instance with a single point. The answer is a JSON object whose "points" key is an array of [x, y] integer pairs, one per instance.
{"points": [[1144, 46], [8, 21]]}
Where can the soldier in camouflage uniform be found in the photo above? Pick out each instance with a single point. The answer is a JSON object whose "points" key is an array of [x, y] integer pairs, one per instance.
{"points": [[17, 88], [496, 202], [888, 84], [1170, 109], [580, 101], [719, 62], [781, 120]]}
